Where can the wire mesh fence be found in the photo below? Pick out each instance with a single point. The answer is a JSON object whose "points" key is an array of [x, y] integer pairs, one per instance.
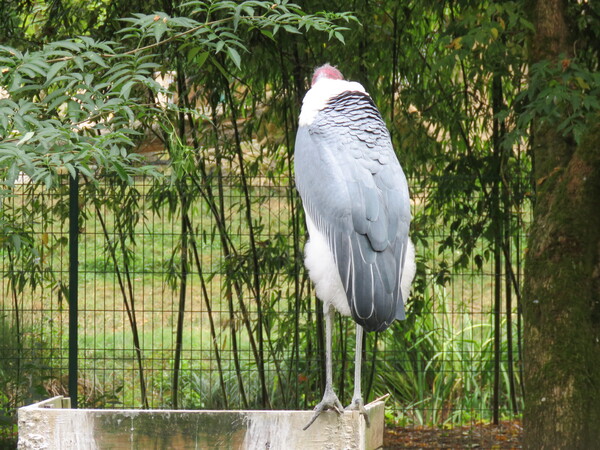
{"points": [[194, 295]]}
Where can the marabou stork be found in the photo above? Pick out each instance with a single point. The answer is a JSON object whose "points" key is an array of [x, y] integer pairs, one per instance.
{"points": [[356, 202]]}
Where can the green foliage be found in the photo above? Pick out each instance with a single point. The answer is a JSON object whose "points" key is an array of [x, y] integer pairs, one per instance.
{"points": [[562, 94], [82, 105], [446, 372], [474, 127], [25, 367], [75, 104], [67, 109]]}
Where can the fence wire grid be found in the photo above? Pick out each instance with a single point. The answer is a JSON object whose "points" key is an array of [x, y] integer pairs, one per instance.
{"points": [[208, 306]]}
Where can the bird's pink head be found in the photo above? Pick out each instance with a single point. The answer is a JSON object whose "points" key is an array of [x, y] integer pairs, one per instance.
{"points": [[326, 71]]}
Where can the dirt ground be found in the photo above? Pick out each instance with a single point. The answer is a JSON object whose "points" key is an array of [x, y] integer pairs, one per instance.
{"points": [[506, 435]]}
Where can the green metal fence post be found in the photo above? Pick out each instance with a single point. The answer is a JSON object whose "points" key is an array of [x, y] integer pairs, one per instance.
{"points": [[73, 284]]}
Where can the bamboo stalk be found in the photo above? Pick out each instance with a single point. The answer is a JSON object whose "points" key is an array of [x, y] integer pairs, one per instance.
{"points": [[129, 305], [259, 355]]}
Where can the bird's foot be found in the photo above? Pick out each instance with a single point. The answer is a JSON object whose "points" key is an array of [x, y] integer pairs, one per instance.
{"points": [[358, 405], [330, 401]]}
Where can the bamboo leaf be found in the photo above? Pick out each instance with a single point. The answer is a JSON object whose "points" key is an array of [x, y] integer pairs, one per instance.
{"points": [[235, 57]]}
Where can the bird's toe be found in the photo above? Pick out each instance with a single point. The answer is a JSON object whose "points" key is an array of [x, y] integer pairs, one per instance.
{"points": [[358, 405], [330, 401]]}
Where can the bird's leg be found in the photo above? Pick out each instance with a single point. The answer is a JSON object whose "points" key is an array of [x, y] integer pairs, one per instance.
{"points": [[357, 401], [330, 400]]}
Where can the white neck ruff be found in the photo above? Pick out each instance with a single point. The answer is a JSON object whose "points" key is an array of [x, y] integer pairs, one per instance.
{"points": [[318, 96]]}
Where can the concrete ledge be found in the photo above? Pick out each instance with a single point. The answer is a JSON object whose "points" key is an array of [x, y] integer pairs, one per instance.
{"points": [[51, 424]]}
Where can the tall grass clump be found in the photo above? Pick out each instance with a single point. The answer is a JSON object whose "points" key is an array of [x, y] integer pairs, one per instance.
{"points": [[25, 370], [439, 366]]}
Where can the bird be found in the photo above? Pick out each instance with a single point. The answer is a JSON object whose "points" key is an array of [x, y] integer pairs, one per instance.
{"points": [[357, 209]]}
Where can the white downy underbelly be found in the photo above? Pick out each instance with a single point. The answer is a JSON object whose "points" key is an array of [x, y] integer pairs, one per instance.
{"points": [[323, 271]]}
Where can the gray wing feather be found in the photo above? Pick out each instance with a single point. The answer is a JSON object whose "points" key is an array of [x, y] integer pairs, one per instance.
{"points": [[354, 190]]}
